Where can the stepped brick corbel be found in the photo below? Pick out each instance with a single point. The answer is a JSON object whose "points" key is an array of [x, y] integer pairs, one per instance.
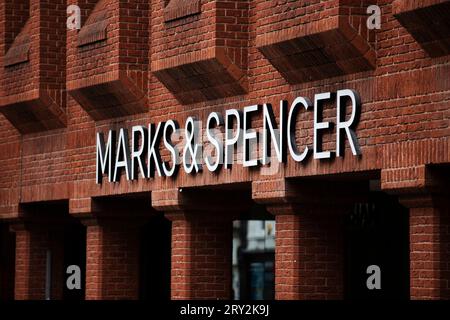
{"points": [[328, 44], [214, 40], [428, 23], [32, 74], [108, 65]]}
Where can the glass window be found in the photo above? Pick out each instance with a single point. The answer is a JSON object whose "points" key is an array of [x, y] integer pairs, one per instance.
{"points": [[253, 259]]}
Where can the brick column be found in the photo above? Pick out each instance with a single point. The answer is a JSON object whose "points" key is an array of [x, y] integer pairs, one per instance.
{"points": [[202, 232], [429, 236], [201, 255], [308, 253], [112, 259], [32, 242]]}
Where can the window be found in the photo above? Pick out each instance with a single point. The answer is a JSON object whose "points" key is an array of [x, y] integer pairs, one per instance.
{"points": [[253, 259]]}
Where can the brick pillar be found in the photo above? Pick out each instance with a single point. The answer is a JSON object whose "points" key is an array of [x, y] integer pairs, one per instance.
{"points": [[112, 259], [429, 236], [32, 242], [308, 254], [201, 255]]}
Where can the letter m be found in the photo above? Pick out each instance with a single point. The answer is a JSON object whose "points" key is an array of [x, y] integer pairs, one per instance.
{"points": [[105, 156]]}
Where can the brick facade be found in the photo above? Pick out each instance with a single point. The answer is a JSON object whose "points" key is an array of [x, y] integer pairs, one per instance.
{"points": [[201, 256], [138, 62], [309, 263], [429, 245], [112, 262]]}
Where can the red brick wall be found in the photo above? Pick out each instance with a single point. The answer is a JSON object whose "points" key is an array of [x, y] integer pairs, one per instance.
{"points": [[17, 78], [201, 256], [18, 12], [45, 70], [404, 125], [52, 49], [281, 15], [221, 23], [94, 61], [404, 99], [309, 257], [10, 162], [189, 34], [33, 72], [32, 243], [112, 261], [429, 247], [94, 58], [23, 287]]}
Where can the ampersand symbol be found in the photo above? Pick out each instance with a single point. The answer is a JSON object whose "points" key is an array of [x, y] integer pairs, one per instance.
{"points": [[192, 150]]}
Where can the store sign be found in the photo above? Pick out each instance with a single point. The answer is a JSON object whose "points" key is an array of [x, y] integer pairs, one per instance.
{"points": [[225, 136]]}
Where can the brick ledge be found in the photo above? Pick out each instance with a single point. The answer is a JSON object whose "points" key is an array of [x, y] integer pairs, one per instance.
{"points": [[177, 9]]}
